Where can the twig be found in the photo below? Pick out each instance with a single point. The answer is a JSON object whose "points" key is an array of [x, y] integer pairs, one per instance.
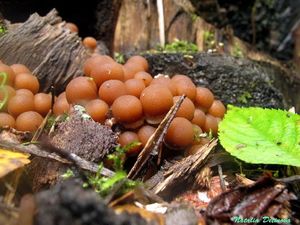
{"points": [[222, 182], [161, 21], [35, 150], [41, 128], [75, 159], [155, 140], [295, 178]]}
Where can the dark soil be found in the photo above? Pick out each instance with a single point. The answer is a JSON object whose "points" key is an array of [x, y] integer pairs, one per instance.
{"points": [[68, 203]]}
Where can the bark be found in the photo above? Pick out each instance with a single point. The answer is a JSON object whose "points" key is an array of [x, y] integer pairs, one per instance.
{"points": [[54, 54]]}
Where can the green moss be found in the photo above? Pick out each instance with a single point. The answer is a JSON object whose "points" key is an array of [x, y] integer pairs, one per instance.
{"points": [[237, 51], [209, 39], [194, 16], [244, 97], [3, 29], [177, 46], [119, 57]]}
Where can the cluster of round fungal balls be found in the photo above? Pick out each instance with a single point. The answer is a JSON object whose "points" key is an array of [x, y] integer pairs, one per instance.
{"points": [[24, 108], [139, 102]]}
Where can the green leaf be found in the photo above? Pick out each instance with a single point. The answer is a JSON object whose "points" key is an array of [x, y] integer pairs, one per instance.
{"points": [[257, 135]]}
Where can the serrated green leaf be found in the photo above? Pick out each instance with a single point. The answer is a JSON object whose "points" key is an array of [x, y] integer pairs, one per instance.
{"points": [[257, 135]]}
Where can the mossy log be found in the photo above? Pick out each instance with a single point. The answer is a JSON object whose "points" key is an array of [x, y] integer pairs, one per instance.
{"points": [[237, 81], [54, 54]]}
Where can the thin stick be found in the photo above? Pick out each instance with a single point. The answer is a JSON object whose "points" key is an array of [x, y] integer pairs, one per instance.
{"points": [[161, 21], [155, 140], [222, 182]]}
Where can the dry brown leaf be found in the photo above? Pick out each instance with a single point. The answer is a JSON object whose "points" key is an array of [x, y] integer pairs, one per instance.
{"points": [[10, 161]]}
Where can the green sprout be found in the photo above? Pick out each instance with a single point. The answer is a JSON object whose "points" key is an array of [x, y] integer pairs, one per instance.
{"points": [[119, 155], [244, 97], [209, 39], [105, 185], [3, 30], [237, 51], [119, 57], [3, 77], [68, 174]]}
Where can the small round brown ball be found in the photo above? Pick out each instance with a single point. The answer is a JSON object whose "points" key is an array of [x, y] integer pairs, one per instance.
{"points": [[19, 68], [211, 124], [29, 121], [144, 133], [204, 97], [72, 27], [24, 92], [93, 61], [186, 109], [217, 109], [144, 76], [6, 120], [165, 81], [42, 103], [184, 86], [97, 109], [156, 100], [135, 87], [110, 90], [81, 90], [61, 106], [19, 104], [180, 134], [199, 118], [27, 81], [8, 91], [130, 70], [107, 71], [134, 125], [138, 60], [127, 138], [90, 42], [61, 95], [10, 74], [127, 108]]}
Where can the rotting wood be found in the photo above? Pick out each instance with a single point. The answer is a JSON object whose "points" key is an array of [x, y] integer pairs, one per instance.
{"points": [[54, 54], [35, 150], [179, 174]]}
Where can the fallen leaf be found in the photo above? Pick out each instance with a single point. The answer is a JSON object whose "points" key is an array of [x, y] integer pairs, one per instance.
{"points": [[10, 161]]}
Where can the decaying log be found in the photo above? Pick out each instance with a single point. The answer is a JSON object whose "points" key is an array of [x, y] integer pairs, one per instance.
{"points": [[237, 81], [53, 53], [179, 176]]}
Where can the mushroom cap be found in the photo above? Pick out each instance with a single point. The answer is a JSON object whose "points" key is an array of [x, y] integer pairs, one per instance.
{"points": [[28, 121], [81, 89], [110, 90], [204, 97], [102, 72], [217, 109], [97, 109], [27, 81], [156, 100], [180, 134], [127, 109], [186, 109]]}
